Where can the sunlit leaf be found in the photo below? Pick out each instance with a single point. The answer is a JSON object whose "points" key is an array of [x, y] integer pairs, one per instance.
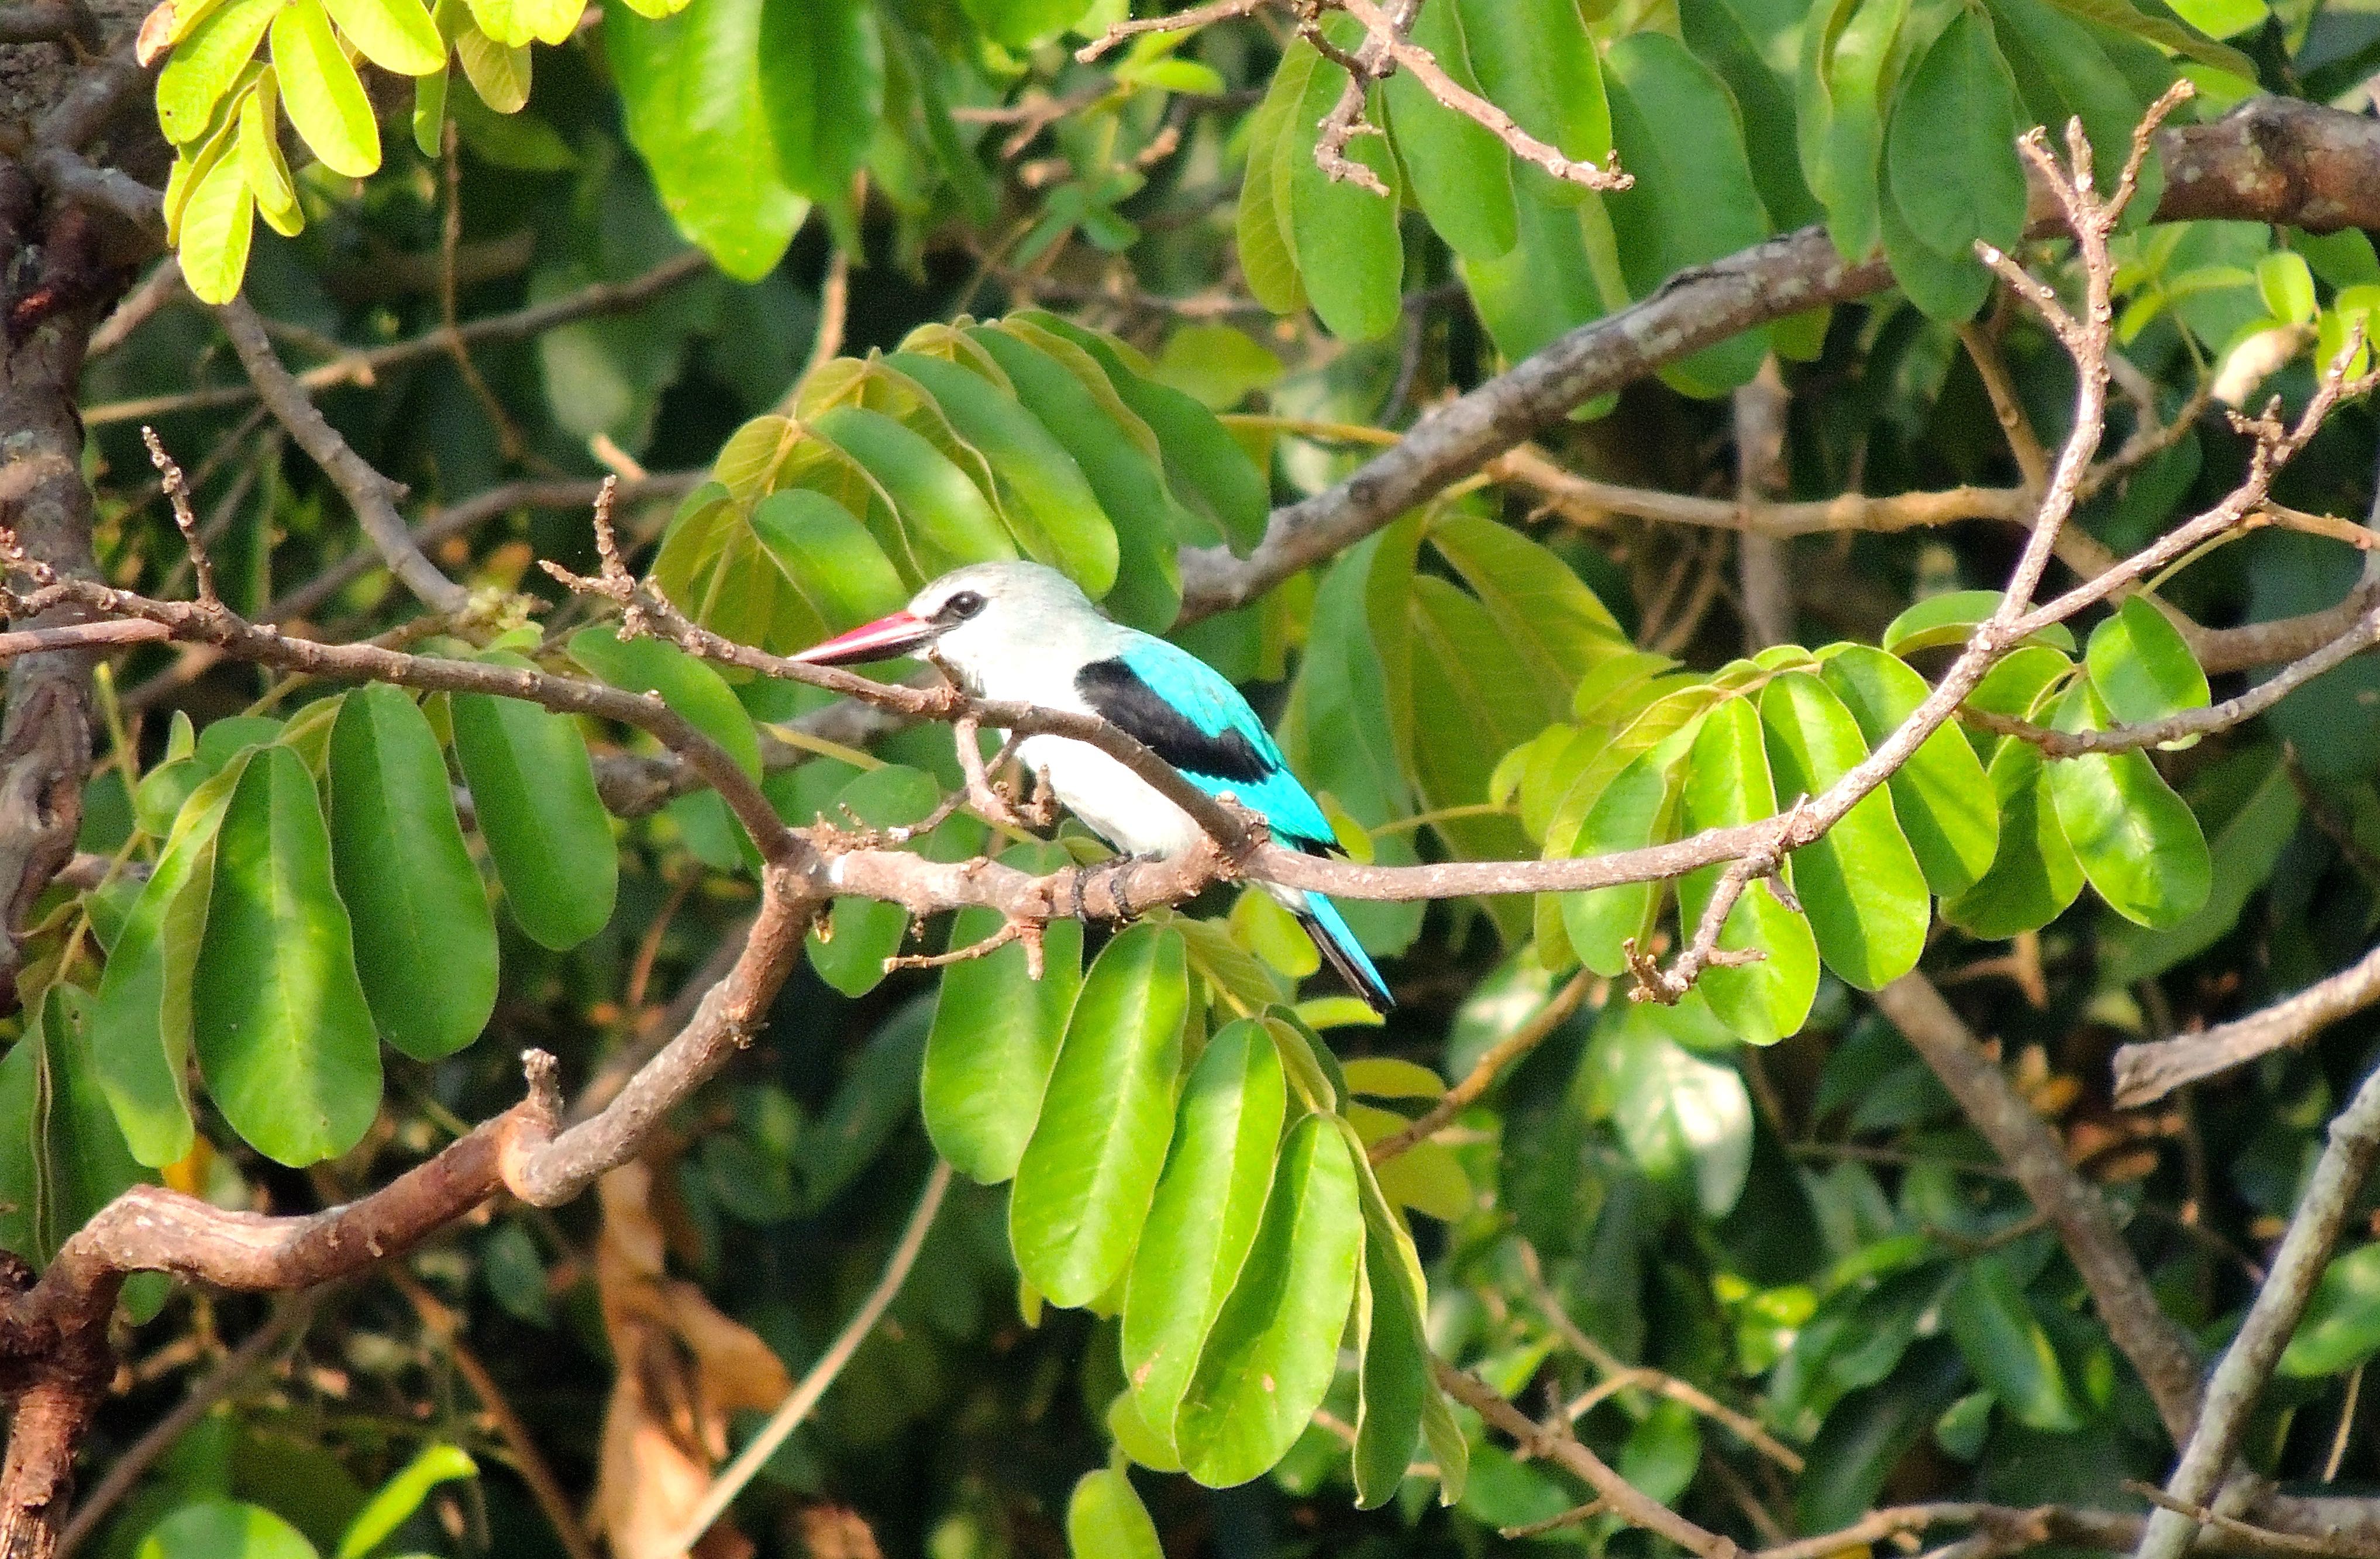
{"points": [[1204, 1217], [284, 1036], [1084, 1184], [1273, 1349], [533, 792], [425, 940], [995, 1037]]}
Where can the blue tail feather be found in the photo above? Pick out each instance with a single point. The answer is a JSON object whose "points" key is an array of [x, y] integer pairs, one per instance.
{"points": [[1338, 945]]}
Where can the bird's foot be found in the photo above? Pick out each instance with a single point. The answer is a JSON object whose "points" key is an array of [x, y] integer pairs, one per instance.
{"points": [[1113, 881]]}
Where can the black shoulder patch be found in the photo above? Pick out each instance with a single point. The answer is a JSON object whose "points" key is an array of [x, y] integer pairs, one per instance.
{"points": [[1117, 695]]}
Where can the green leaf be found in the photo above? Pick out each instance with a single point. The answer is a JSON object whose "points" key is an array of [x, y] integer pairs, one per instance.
{"points": [[782, 573], [1217, 366], [943, 516], [1860, 881], [1204, 464], [1084, 1186], [2341, 1328], [2244, 852], [690, 86], [1312, 1070], [1686, 1121], [1693, 200], [2035, 874], [2140, 666], [261, 161], [513, 23], [1123, 469], [1728, 782], [1740, 39], [425, 939], [1261, 228], [1016, 24], [849, 947], [1348, 251], [395, 1501], [224, 1529], [1847, 54], [995, 1037], [218, 222], [1940, 797], [1205, 1215], [1992, 1321], [1547, 614], [1051, 505], [498, 72], [1951, 151], [533, 789], [1392, 1373], [1637, 808], [689, 687], [1945, 288], [429, 112], [1950, 618], [2138, 842], [2062, 69], [285, 1036], [822, 88], [393, 34], [205, 64], [1461, 174], [62, 1156], [1274, 1348], [1136, 1440], [1548, 282], [321, 91], [2163, 32], [141, 1029], [1104, 1518]]}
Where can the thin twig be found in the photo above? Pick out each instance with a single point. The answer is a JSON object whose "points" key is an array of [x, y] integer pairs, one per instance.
{"points": [[371, 495], [1491, 1065], [1388, 34], [2334, 1546], [2223, 716], [813, 1386], [1631, 1503], [441, 1323], [362, 367], [2148, 1071], [287, 1323], [177, 494], [1622, 1376], [1179, 21]]}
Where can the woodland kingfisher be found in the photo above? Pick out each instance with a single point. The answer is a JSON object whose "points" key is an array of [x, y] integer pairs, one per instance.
{"points": [[1022, 633]]}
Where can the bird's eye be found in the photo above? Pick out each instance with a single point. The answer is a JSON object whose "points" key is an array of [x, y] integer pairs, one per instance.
{"points": [[961, 606]]}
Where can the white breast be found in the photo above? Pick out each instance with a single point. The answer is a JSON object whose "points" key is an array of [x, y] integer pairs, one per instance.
{"points": [[1110, 799]]}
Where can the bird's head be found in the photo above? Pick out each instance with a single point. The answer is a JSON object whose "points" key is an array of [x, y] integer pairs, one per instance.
{"points": [[969, 617]]}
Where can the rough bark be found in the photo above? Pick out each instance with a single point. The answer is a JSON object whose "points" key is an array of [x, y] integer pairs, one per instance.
{"points": [[58, 287]]}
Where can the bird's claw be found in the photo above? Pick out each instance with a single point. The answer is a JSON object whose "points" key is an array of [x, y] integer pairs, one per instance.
{"points": [[1114, 879]]}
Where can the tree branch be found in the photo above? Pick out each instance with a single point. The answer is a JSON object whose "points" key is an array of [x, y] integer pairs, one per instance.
{"points": [[2248, 1363], [2272, 160], [370, 494], [2147, 1072], [2159, 1351]]}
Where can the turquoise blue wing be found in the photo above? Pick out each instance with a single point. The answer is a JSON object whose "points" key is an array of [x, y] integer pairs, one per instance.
{"points": [[1188, 713]]}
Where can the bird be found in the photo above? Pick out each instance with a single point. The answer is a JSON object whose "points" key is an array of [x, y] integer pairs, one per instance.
{"points": [[1024, 633]]}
